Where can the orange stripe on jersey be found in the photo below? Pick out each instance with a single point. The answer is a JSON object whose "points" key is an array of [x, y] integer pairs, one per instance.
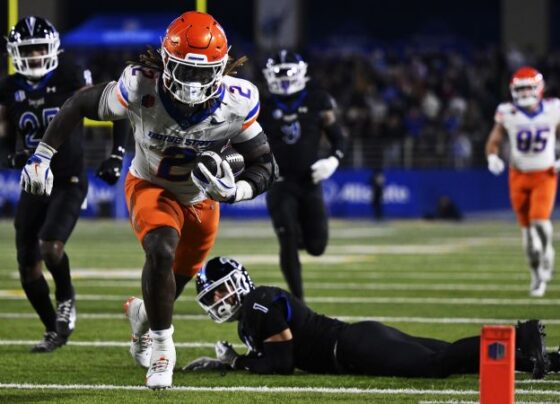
{"points": [[121, 99], [248, 123]]}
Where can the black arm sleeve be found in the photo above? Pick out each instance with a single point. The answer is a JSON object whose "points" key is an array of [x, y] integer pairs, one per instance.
{"points": [[82, 104], [337, 139], [277, 357], [121, 130], [260, 166]]}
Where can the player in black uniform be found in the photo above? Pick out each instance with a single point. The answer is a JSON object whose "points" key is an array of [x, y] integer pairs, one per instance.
{"points": [[282, 334], [29, 99], [295, 117]]}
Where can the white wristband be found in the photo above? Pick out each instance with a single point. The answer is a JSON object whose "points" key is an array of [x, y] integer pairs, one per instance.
{"points": [[45, 150], [244, 191]]}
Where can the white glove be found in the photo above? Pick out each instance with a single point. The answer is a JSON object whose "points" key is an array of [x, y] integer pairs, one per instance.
{"points": [[223, 189], [323, 169], [36, 175], [225, 352], [495, 164]]}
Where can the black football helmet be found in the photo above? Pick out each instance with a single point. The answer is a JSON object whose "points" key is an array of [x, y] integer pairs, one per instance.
{"points": [[285, 73], [33, 43], [221, 284]]}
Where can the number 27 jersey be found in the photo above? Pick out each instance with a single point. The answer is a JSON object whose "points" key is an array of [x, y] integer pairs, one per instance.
{"points": [[532, 135]]}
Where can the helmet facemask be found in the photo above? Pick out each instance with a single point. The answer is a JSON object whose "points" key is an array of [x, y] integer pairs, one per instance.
{"points": [[192, 81], [222, 299], [285, 78], [527, 92], [35, 66]]}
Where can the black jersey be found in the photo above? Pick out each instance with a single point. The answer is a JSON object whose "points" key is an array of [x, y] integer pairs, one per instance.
{"points": [[269, 310], [30, 108], [294, 128]]}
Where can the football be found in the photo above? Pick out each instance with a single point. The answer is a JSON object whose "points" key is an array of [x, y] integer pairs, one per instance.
{"points": [[213, 162]]}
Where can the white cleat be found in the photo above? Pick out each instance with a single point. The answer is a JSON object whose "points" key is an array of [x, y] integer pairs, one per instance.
{"points": [[141, 349], [66, 317], [141, 341], [160, 372], [546, 269], [538, 286]]}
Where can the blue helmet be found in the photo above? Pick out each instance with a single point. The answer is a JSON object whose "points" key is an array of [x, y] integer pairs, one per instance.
{"points": [[33, 43], [221, 285], [285, 73]]}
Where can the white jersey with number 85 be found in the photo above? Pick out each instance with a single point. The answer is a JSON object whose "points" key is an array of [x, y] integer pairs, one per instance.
{"points": [[532, 135]]}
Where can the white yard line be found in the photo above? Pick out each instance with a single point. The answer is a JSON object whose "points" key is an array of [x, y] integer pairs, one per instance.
{"points": [[116, 284], [352, 319], [185, 345], [113, 344], [265, 389], [336, 233], [332, 273], [17, 294]]}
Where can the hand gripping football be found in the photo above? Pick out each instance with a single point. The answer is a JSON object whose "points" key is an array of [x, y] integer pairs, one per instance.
{"points": [[213, 163]]}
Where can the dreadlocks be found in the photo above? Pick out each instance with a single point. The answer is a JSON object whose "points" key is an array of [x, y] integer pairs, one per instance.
{"points": [[152, 60]]}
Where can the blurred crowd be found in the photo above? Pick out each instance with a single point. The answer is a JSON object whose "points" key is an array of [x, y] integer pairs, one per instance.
{"points": [[402, 109], [423, 109]]}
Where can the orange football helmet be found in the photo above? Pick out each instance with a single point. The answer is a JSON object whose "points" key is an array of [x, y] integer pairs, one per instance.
{"points": [[527, 87], [195, 54]]}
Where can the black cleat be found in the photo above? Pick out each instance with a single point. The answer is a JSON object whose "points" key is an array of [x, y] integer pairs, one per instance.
{"points": [[554, 358], [51, 341], [66, 317], [530, 340]]}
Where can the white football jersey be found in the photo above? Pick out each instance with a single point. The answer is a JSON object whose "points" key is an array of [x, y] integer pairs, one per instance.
{"points": [[532, 136], [167, 141]]}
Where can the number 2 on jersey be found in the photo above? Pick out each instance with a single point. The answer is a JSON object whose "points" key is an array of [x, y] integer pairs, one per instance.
{"points": [[175, 157], [532, 142], [244, 92]]}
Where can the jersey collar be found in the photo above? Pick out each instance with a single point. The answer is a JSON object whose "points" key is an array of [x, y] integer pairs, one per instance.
{"points": [[290, 108], [22, 81], [531, 114], [183, 120]]}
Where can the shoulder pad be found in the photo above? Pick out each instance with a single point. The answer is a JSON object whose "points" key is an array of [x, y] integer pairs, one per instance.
{"points": [[552, 102], [505, 108], [327, 101], [244, 98], [135, 80], [72, 76], [260, 299]]}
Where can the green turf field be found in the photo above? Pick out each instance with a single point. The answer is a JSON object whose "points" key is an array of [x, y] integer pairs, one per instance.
{"points": [[435, 279]]}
